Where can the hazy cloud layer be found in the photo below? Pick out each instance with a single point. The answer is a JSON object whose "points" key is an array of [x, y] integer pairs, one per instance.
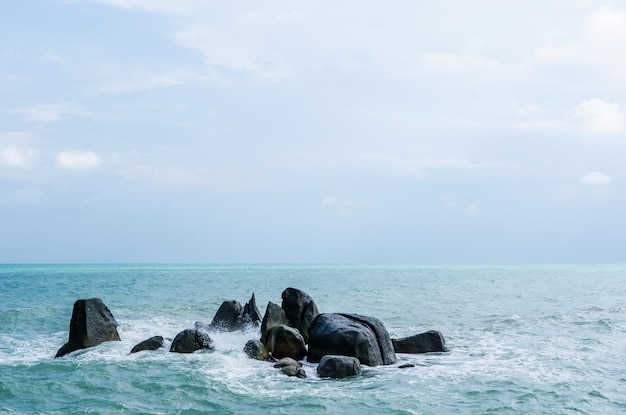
{"points": [[314, 131]]}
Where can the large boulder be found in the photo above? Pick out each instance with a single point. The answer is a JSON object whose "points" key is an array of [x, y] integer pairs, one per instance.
{"points": [[428, 342], [91, 324], [382, 336], [350, 335], [190, 340], [300, 310], [153, 343], [285, 341], [274, 316], [338, 367]]}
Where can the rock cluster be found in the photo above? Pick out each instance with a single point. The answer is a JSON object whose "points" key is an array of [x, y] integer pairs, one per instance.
{"points": [[289, 333]]}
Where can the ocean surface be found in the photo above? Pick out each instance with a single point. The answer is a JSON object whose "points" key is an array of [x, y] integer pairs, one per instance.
{"points": [[521, 339]]}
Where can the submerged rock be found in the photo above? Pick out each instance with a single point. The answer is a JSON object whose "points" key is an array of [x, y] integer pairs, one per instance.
{"points": [[428, 342], [153, 343], [254, 349], [286, 361], [338, 367], [294, 371], [92, 323]]}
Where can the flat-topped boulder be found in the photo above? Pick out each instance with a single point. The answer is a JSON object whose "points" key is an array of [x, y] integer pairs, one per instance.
{"points": [[92, 323], [427, 342]]}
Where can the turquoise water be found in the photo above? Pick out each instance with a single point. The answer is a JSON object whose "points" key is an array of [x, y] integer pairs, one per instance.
{"points": [[533, 340]]}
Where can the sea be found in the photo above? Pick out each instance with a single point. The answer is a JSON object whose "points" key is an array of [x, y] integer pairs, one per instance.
{"points": [[521, 340]]}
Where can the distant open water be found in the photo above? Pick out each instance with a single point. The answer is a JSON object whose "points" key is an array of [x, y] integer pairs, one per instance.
{"points": [[522, 340]]}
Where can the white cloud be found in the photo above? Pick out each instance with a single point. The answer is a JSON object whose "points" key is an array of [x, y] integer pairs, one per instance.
{"points": [[51, 57], [460, 63], [155, 6], [49, 113], [599, 47], [600, 117], [19, 157], [123, 80], [595, 178], [472, 208], [606, 25], [78, 160], [594, 117], [341, 207]]}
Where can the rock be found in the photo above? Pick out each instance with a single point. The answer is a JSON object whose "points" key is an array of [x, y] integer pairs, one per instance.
{"points": [[190, 340], [256, 350], [285, 341], [300, 310], [382, 336], [350, 335], [406, 366], [274, 316], [294, 371], [91, 324], [231, 316], [286, 361], [250, 314], [338, 367], [430, 341], [228, 316], [153, 343]]}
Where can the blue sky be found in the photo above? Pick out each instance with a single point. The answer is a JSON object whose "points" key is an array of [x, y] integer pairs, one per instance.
{"points": [[313, 131]]}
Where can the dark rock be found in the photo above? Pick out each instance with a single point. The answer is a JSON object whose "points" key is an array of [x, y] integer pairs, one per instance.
{"points": [[428, 342], [406, 366], [190, 340], [256, 350], [350, 335], [274, 316], [287, 361], [250, 314], [153, 343], [228, 316], [338, 367], [285, 341], [382, 336], [300, 309], [91, 324]]}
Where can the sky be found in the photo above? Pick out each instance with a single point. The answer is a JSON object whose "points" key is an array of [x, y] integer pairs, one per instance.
{"points": [[416, 132]]}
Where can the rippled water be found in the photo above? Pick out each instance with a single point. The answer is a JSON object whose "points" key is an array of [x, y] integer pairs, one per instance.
{"points": [[536, 340]]}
